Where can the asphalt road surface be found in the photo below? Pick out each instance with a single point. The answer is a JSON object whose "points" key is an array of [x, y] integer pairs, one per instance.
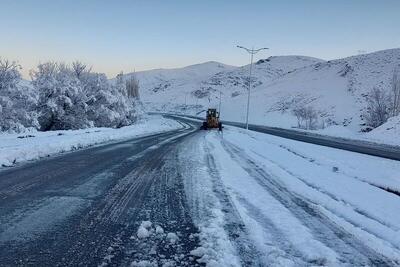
{"points": [[84, 208]]}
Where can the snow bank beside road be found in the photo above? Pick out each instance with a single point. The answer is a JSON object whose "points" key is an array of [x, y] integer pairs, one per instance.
{"points": [[341, 185], [258, 198], [388, 133], [16, 148]]}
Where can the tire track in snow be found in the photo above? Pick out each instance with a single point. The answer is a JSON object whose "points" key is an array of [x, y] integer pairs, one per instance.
{"points": [[107, 227], [20, 180], [124, 207], [97, 233], [165, 205], [234, 226], [364, 214], [351, 250], [390, 189]]}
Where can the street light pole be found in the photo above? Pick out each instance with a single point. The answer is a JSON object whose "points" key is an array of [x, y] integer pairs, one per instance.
{"points": [[185, 104], [219, 107], [248, 92], [252, 52]]}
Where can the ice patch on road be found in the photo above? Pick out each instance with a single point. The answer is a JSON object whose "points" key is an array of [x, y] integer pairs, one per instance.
{"points": [[114, 147], [39, 218], [92, 187]]}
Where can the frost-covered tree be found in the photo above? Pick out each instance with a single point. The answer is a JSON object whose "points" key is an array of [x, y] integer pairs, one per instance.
{"points": [[62, 102], [307, 117], [99, 98], [132, 87], [378, 108], [64, 97], [395, 96], [80, 69], [382, 104], [122, 102], [9, 74], [120, 84], [17, 102], [109, 105]]}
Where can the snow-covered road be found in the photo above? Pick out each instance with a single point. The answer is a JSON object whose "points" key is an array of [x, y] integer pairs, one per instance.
{"points": [[188, 197], [266, 200]]}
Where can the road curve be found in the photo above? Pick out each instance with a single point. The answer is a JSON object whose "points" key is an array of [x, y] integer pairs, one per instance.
{"points": [[363, 147], [84, 208]]}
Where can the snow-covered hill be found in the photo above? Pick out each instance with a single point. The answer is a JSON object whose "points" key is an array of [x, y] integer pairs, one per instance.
{"points": [[388, 132], [167, 84], [337, 88], [201, 83]]}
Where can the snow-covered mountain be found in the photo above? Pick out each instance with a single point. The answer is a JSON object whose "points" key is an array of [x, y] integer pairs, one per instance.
{"points": [[337, 88], [160, 83]]}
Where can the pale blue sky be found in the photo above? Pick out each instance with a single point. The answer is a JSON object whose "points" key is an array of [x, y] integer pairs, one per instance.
{"points": [[127, 35]]}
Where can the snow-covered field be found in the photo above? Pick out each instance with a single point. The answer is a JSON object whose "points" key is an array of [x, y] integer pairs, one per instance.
{"points": [[263, 199], [15, 148]]}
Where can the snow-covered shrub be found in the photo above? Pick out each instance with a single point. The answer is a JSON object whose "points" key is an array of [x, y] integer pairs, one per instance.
{"points": [[378, 108], [62, 102], [65, 97], [123, 103], [307, 117], [18, 110], [381, 104], [290, 101], [110, 105], [17, 102]]}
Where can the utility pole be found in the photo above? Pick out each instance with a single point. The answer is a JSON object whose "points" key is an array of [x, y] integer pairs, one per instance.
{"points": [[219, 108], [252, 52], [185, 104]]}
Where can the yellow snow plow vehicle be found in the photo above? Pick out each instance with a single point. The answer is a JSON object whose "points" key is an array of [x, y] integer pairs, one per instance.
{"points": [[212, 120]]}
